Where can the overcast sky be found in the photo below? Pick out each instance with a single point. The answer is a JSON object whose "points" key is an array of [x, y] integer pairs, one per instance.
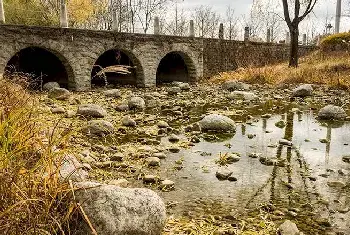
{"points": [[325, 9]]}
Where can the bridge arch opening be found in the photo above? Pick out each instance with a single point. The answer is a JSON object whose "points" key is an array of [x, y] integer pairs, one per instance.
{"points": [[176, 66], [39, 66], [117, 67]]}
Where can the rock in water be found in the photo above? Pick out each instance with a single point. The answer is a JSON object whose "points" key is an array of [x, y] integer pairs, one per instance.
{"points": [[136, 103], [332, 112], [50, 85], [288, 228], [346, 159], [99, 127], [121, 211], [115, 93], [91, 110], [303, 91], [223, 173], [59, 94], [217, 123]]}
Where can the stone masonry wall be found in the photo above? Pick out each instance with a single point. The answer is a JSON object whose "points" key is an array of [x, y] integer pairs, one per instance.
{"points": [[224, 55], [79, 49]]}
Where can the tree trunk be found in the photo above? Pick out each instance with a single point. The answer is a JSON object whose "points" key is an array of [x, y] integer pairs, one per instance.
{"points": [[294, 46]]}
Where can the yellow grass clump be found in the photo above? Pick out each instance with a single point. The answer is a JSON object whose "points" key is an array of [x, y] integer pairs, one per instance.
{"points": [[318, 68], [32, 198]]}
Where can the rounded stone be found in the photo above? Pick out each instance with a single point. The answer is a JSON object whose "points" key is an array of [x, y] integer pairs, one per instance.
{"points": [[153, 161], [50, 85], [332, 112], [136, 103], [91, 110], [99, 127], [59, 94], [217, 123]]}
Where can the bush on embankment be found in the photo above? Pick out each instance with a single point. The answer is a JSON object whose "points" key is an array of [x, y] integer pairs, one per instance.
{"points": [[339, 43], [32, 199], [331, 69]]}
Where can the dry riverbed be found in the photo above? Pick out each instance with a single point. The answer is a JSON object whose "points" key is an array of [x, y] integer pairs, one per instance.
{"points": [[280, 163]]}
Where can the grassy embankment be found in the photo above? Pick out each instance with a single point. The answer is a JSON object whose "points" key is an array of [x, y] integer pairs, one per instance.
{"points": [[330, 66], [32, 199]]}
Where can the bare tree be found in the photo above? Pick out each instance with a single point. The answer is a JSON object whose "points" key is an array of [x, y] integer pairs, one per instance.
{"points": [[231, 22], [206, 21], [178, 25], [147, 9], [304, 6]]}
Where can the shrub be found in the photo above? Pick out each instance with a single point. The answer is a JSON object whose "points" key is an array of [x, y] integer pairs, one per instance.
{"points": [[32, 199], [336, 42]]}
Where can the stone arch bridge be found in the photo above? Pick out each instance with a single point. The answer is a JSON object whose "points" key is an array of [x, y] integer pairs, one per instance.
{"points": [[74, 57]]}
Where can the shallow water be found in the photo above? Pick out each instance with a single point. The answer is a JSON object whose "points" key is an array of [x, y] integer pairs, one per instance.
{"points": [[296, 185]]}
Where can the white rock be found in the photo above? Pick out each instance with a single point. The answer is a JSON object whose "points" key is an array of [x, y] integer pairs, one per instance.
{"points": [[218, 123], [332, 112], [91, 110], [121, 211], [303, 91], [99, 127], [50, 85]]}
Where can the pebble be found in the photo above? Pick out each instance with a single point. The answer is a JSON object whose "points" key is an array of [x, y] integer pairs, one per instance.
{"points": [[162, 124], [167, 184], [174, 149], [346, 159], [223, 174], [117, 157], [58, 110], [174, 138], [153, 161], [149, 179], [336, 184], [160, 155]]}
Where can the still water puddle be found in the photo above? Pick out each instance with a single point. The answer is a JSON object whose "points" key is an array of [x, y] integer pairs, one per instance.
{"points": [[313, 161]]}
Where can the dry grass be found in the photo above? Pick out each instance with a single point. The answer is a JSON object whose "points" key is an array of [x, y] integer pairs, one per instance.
{"points": [[32, 199], [319, 68]]}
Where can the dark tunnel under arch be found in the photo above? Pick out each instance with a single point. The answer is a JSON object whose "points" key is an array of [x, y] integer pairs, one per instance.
{"points": [[40, 65], [117, 57], [175, 66]]}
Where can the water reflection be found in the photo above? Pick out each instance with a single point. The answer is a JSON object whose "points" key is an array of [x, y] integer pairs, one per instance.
{"points": [[285, 185]]}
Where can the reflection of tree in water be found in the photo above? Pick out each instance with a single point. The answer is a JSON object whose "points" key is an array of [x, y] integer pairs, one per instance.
{"points": [[294, 191]]}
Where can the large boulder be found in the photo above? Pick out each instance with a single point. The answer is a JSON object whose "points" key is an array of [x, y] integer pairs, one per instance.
{"points": [[50, 85], [235, 86], [303, 91], [332, 112], [288, 228], [136, 102], [91, 110], [217, 123], [59, 94], [121, 211], [99, 127]]}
